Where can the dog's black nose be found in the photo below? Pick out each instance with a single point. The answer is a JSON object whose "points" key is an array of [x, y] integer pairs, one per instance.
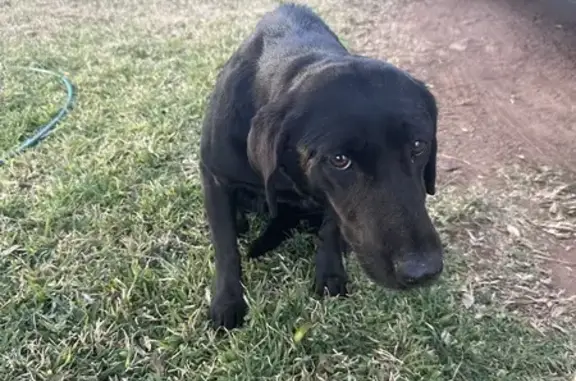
{"points": [[419, 269]]}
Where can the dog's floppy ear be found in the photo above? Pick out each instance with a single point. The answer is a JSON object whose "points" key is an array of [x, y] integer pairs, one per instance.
{"points": [[265, 145], [430, 168]]}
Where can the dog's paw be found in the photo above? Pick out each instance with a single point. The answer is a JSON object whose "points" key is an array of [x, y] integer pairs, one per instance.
{"points": [[228, 311], [259, 247], [331, 284]]}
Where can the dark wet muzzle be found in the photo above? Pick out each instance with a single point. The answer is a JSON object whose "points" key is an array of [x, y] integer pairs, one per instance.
{"points": [[418, 269]]}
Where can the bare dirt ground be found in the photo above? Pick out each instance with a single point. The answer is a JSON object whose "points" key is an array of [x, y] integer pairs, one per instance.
{"points": [[504, 73]]}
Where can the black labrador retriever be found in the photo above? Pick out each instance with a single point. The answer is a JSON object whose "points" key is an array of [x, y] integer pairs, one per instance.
{"points": [[300, 129]]}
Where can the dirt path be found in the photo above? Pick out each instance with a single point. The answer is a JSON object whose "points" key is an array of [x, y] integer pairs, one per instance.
{"points": [[505, 76]]}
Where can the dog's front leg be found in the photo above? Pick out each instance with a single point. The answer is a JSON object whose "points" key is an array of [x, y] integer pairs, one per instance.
{"points": [[228, 307], [331, 276]]}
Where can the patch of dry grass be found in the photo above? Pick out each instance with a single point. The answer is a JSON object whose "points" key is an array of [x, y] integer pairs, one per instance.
{"points": [[509, 251]]}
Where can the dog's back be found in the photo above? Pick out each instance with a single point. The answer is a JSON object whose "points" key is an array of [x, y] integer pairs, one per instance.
{"points": [[296, 29]]}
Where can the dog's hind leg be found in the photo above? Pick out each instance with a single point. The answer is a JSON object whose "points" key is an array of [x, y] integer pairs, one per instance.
{"points": [[276, 231], [314, 222], [242, 208], [242, 225]]}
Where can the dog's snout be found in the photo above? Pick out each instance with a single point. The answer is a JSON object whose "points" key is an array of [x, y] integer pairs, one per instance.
{"points": [[419, 269]]}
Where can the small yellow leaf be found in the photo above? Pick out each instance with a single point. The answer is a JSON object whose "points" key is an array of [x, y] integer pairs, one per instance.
{"points": [[301, 332]]}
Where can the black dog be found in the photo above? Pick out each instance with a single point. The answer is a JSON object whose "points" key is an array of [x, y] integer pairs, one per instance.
{"points": [[300, 129]]}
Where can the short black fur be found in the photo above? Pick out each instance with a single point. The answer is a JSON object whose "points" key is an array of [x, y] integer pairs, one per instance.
{"points": [[299, 129]]}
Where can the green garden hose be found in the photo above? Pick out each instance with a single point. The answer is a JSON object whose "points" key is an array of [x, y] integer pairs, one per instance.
{"points": [[45, 130]]}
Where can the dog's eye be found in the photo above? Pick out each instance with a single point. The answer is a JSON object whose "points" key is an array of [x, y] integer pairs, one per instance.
{"points": [[341, 162], [418, 147]]}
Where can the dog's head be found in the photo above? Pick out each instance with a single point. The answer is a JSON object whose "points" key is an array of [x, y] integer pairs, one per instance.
{"points": [[360, 136]]}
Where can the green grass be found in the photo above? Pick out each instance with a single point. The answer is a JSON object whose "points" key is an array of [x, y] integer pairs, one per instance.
{"points": [[105, 263]]}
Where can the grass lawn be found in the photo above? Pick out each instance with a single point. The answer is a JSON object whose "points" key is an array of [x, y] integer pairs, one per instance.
{"points": [[105, 262]]}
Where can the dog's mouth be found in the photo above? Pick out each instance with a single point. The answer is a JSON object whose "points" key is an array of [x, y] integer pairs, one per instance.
{"points": [[380, 271]]}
